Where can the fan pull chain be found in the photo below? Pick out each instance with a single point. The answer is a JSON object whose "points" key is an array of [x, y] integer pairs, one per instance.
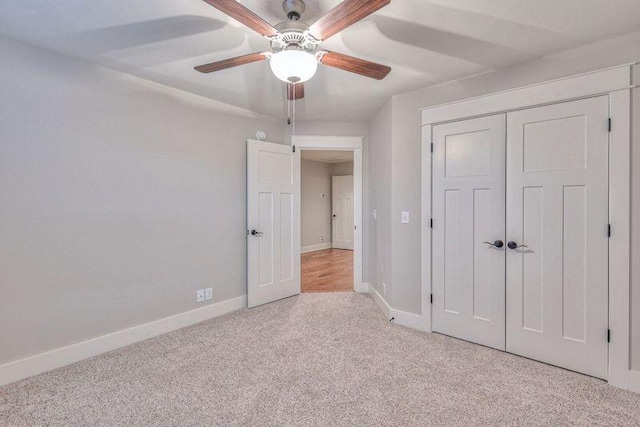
{"points": [[288, 109], [293, 101]]}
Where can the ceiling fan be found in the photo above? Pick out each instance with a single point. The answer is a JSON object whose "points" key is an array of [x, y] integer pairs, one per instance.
{"points": [[294, 54]]}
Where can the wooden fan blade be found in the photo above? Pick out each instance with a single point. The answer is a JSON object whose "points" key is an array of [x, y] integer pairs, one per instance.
{"points": [[232, 62], [355, 65], [345, 14], [295, 91], [244, 16]]}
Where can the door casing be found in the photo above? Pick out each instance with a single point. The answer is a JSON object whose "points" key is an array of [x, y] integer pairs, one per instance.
{"points": [[615, 82], [342, 143]]}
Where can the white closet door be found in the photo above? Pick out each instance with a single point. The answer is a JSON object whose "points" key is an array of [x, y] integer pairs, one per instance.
{"points": [[469, 210], [557, 197]]}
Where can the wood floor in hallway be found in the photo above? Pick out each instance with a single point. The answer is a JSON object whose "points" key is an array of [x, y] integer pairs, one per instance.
{"points": [[329, 270]]}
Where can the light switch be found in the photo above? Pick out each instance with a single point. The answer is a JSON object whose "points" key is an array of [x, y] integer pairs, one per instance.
{"points": [[405, 217]]}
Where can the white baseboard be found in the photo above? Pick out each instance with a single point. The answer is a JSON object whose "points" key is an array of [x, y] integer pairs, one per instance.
{"points": [[400, 317], [407, 319], [382, 303], [23, 368], [634, 381], [313, 248], [362, 288]]}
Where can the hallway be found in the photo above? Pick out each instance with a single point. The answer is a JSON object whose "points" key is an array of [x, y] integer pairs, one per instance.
{"points": [[329, 270]]}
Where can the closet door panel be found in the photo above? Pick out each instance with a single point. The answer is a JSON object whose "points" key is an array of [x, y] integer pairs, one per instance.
{"points": [[557, 207], [469, 210]]}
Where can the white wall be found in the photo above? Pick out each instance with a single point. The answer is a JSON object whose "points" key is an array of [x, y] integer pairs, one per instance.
{"points": [[315, 209], [399, 155], [118, 199]]}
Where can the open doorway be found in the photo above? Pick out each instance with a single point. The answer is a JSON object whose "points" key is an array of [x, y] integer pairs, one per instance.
{"points": [[327, 220]]}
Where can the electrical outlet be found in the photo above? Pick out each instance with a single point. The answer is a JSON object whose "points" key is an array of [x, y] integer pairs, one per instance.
{"points": [[375, 215], [208, 293], [384, 288], [200, 295]]}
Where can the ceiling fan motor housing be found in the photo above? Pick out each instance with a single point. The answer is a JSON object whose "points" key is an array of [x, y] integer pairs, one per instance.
{"points": [[293, 34], [293, 9]]}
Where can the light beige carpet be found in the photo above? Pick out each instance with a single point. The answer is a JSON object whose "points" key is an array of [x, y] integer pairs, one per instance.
{"points": [[312, 360]]}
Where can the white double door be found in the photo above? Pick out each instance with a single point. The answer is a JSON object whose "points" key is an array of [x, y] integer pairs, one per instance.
{"points": [[520, 243]]}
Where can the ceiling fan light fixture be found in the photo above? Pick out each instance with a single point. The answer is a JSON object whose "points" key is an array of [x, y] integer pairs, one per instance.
{"points": [[293, 66]]}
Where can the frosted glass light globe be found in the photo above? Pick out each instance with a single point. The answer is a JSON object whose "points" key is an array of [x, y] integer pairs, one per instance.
{"points": [[294, 66]]}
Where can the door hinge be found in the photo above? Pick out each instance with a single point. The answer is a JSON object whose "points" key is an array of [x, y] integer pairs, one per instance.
{"points": [[431, 223], [608, 335], [609, 124], [608, 230], [432, 147], [431, 298], [294, 148]]}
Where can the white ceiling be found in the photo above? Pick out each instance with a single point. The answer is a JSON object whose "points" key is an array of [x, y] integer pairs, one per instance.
{"points": [[327, 156], [424, 41]]}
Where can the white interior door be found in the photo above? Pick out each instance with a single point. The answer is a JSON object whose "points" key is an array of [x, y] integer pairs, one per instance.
{"points": [[557, 205], [468, 217], [273, 231], [342, 229]]}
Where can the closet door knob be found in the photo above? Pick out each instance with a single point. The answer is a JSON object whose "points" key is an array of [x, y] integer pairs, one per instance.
{"points": [[514, 245], [497, 243]]}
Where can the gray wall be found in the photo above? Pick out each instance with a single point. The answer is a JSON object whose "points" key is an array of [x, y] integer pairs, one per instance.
{"points": [[118, 199], [380, 200], [315, 226]]}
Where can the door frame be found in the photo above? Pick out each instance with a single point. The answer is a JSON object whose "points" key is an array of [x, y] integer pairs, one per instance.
{"points": [[341, 143], [614, 82]]}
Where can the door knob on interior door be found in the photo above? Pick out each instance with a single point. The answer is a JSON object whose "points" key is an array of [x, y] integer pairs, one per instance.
{"points": [[497, 243], [256, 233], [514, 245]]}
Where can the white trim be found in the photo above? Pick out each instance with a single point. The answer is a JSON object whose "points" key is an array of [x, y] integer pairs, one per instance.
{"points": [[426, 228], [560, 90], [616, 82], [327, 142], [620, 241], [410, 320], [399, 317], [363, 289], [33, 365], [313, 248], [381, 302], [341, 143]]}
